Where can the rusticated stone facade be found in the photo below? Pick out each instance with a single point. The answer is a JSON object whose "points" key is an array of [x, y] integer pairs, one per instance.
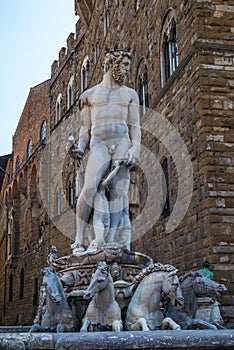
{"points": [[185, 179], [24, 222]]}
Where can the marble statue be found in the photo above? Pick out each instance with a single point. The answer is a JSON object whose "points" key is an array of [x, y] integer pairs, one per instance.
{"points": [[53, 255], [103, 310], [144, 310], [54, 313], [193, 285], [110, 127]]}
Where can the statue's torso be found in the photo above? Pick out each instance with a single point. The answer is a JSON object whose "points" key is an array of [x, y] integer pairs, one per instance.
{"points": [[109, 111]]}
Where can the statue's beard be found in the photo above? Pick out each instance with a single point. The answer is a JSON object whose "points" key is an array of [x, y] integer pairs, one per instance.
{"points": [[118, 76]]}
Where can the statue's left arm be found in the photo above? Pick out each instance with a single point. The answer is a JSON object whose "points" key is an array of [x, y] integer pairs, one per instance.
{"points": [[133, 154]]}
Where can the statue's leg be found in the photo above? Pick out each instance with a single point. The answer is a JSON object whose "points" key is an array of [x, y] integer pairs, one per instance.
{"points": [[168, 323], [197, 323], [119, 203], [117, 326], [124, 237], [101, 219], [97, 165], [85, 325], [141, 324]]}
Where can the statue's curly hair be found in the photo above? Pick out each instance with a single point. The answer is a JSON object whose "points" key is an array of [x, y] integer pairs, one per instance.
{"points": [[113, 58]]}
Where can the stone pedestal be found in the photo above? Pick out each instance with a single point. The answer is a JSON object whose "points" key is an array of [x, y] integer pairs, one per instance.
{"points": [[160, 340], [208, 310]]}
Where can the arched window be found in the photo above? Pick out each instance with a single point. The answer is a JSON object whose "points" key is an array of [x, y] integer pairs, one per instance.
{"points": [[169, 47], [166, 208], [85, 74], [58, 112], [142, 86], [29, 149], [143, 91], [70, 92], [17, 165], [11, 287], [58, 203], [43, 133], [22, 284]]}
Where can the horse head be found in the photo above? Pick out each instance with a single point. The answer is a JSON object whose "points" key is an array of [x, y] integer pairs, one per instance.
{"points": [[99, 280], [171, 288], [52, 284], [203, 286]]}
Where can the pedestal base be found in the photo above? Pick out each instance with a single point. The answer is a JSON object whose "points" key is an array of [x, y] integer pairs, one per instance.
{"points": [[160, 340]]}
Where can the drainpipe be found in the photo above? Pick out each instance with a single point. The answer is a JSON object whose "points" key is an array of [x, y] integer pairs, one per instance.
{"points": [[49, 174], [74, 128]]}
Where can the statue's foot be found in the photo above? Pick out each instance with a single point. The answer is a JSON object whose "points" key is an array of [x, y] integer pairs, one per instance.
{"points": [[94, 245], [77, 248]]}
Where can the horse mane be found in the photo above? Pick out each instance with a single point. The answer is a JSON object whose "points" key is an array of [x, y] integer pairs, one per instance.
{"points": [[156, 267], [190, 274]]}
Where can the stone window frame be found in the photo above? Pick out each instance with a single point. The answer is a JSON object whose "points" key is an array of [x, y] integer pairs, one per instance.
{"points": [[58, 108], [85, 71], [142, 85], [43, 132], [29, 149], [70, 92], [17, 164], [169, 59]]}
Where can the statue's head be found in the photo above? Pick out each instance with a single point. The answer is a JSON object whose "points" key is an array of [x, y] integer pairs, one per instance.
{"points": [[119, 62]]}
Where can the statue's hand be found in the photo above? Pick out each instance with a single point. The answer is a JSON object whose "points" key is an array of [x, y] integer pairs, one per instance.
{"points": [[132, 156]]}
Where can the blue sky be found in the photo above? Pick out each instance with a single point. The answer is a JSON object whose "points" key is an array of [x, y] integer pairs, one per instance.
{"points": [[32, 33]]}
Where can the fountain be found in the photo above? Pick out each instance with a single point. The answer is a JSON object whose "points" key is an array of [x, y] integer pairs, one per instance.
{"points": [[126, 310]]}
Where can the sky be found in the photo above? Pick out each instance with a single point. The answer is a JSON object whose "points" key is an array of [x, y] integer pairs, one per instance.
{"points": [[32, 33]]}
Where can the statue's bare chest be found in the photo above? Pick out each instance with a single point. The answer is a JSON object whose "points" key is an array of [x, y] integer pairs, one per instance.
{"points": [[105, 97]]}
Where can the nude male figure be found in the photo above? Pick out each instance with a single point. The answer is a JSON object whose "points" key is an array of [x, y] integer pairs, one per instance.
{"points": [[110, 126]]}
